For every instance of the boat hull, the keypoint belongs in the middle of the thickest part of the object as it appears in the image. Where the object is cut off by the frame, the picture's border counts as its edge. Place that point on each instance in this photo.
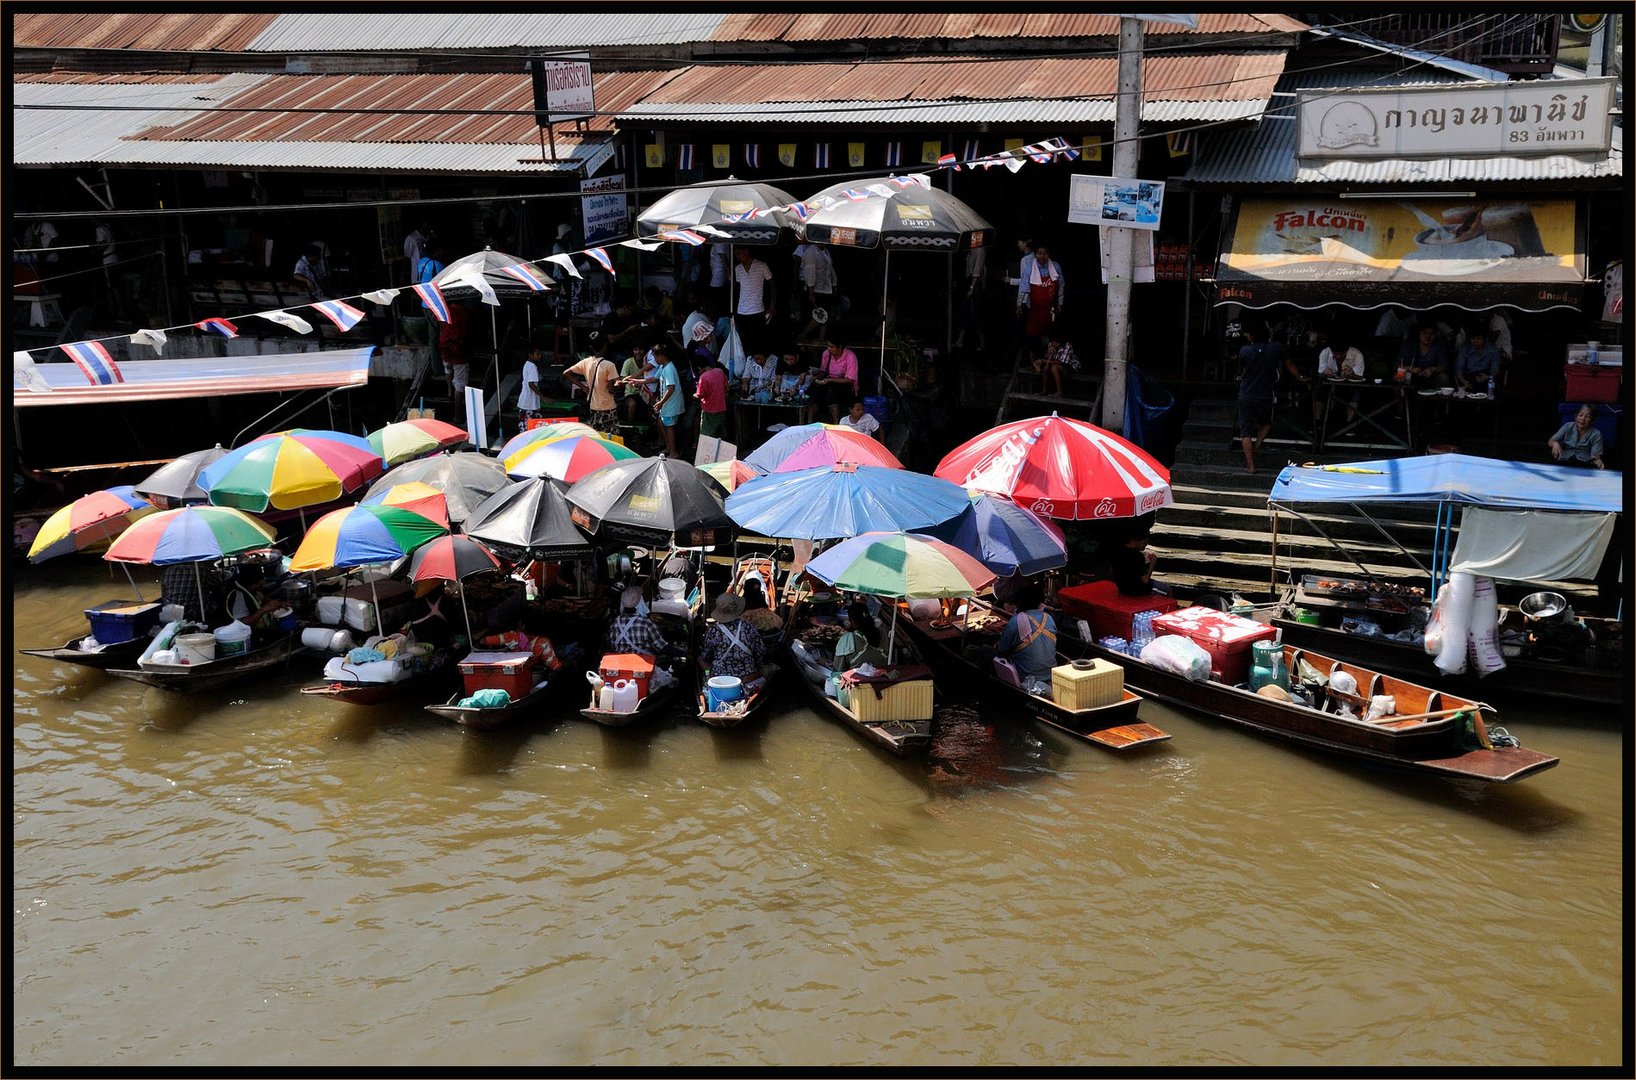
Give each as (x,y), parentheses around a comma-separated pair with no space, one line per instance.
(196,678)
(116,655)
(757,704)
(652,705)
(360,693)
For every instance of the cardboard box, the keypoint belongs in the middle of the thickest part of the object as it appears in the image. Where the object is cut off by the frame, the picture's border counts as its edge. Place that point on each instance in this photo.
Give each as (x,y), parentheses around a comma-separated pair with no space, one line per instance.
(1103,683)
(511,672)
(1597,385)
(1227,638)
(1109,614)
(616,666)
(910,700)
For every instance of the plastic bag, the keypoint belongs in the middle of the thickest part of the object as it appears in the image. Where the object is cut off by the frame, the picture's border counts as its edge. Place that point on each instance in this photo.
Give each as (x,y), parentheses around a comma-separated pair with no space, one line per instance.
(489,698)
(1482,644)
(1381,705)
(1455,601)
(1179,656)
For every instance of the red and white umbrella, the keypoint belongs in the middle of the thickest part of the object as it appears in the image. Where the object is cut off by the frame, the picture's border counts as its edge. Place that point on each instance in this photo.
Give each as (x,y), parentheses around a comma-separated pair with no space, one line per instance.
(1062,468)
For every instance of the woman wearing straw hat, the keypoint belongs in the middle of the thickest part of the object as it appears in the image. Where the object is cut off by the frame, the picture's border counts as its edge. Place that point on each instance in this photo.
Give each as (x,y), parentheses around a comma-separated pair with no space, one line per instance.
(732,646)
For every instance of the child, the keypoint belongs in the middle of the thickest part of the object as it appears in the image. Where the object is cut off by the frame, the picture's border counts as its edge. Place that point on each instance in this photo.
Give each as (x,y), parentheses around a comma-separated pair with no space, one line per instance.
(1050,361)
(859,420)
(528,397)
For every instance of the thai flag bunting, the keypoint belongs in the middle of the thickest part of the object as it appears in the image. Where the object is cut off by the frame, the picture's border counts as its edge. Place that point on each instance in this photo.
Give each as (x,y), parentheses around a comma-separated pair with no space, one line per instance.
(1063,147)
(94,361)
(285,318)
(601,256)
(1037,152)
(854,195)
(153,339)
(382,296)
(711,230)
(882,190)
(912,180)
(752,155)
(218,326)
(970,151)
(342,314)
(475,280)
(800,210)
(22,367)
(820,156)
(685,236)
(684,156)
(526,274)
(566,262)
(894,154)
(639,245)
(748,215)
(431,298)
(945,160)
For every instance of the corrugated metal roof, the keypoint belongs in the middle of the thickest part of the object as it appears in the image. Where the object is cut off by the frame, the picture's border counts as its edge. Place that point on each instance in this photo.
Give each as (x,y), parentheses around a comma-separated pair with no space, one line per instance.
(969,25)
(119,134)
(1266,153)
(1225,85)
(170,33)
(82,77)
(396,31)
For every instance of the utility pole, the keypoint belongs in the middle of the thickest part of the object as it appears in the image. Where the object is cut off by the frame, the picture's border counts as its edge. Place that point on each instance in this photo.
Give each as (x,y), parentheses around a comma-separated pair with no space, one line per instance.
(1122,249)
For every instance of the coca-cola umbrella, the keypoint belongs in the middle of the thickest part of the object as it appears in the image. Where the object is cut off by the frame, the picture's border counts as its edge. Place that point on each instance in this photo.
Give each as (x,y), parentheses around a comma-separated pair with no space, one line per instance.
(895,213)
(750,213)
(652,501)
(453,558)
(1061,468)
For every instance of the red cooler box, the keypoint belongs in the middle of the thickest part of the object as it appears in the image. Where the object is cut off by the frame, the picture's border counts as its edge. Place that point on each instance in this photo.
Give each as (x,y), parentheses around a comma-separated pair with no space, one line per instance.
(1109,613)
(1227,638)
(1597,385)
(616,666)
(512,672)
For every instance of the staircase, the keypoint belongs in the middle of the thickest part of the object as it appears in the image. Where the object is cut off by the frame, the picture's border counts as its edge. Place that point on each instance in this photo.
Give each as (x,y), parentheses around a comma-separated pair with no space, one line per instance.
(1218,534)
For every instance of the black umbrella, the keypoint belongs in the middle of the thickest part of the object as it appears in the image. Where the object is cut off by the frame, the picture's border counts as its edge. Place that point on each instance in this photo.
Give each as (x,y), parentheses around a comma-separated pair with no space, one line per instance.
(717,203)
(652,501)
(532,516)
(177,482)
(465,478)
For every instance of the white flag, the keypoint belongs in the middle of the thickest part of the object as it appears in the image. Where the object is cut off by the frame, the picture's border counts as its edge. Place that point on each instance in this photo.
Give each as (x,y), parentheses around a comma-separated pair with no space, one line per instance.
(566,262)
(640,246)
(484,289)
(711,230)
(381,296)
(153,339)
(284,318)
(22,367)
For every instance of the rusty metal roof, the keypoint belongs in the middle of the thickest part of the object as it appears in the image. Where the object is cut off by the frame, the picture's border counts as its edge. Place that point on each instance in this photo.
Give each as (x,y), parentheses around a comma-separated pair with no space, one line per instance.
(169,33)
(969,25)
(1210,86)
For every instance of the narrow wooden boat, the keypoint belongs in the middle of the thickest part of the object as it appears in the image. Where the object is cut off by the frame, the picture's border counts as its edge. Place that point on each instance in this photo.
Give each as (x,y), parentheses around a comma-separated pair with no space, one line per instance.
(1113,726)
(487,719)
(752,707)
(373,693)
(655,703)
(213,674)
(905,738)
(1426,735)
(119,653)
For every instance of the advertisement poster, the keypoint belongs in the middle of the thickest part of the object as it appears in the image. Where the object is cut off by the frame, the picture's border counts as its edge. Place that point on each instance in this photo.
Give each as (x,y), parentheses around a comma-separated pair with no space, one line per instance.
(1116,202)
(604,207)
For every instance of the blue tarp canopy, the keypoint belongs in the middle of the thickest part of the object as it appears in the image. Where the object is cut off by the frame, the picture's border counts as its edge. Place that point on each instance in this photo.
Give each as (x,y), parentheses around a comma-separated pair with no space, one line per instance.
(1454,478)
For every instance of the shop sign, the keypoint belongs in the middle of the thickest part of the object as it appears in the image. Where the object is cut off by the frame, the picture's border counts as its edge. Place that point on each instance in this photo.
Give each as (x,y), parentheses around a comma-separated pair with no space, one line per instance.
(1116,202)
(563,90)
(838,235)
(604,207)
(1561,116)
(914,217)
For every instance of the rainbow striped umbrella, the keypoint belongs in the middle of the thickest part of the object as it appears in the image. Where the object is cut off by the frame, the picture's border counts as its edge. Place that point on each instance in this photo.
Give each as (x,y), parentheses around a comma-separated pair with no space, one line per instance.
(189,534)
(290,470)
(902,565)
(543,432)
(414,496)
(730,473)
(363,534)
(568,459)
(409,439)
(87,521)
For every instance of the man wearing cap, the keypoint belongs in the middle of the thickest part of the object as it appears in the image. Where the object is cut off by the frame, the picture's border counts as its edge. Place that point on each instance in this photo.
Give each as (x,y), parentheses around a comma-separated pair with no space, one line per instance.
(634,633)
(731,646)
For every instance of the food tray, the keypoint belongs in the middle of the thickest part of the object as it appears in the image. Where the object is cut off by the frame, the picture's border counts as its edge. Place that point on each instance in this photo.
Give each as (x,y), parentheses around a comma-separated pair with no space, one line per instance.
(1350,587)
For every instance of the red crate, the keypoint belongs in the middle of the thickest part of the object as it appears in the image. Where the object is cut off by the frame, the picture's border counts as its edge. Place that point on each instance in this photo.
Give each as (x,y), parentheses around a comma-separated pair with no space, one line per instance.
(1100,604)
(616,666)
(511,672)
(1227,638)
(1598,385)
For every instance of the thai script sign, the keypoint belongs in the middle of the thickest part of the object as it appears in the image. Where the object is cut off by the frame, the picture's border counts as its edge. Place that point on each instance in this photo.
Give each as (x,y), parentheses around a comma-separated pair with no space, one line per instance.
(604,207)
(562,90)
(1559,116)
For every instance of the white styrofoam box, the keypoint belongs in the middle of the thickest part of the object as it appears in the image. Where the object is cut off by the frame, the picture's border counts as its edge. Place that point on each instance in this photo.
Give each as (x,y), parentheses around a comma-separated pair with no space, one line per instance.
(330,610)
(375,671)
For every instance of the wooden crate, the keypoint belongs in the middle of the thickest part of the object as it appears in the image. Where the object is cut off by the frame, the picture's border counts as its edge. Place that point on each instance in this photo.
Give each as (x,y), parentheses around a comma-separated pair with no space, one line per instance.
(1103,683)
(910,700)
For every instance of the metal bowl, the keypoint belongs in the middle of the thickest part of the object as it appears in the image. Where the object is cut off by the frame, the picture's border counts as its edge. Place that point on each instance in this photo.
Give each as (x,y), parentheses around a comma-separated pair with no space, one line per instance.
(1543,605)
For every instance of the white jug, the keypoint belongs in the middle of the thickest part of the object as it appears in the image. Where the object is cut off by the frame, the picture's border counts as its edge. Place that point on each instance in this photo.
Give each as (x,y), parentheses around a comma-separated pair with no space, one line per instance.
(625,695)
(606,704)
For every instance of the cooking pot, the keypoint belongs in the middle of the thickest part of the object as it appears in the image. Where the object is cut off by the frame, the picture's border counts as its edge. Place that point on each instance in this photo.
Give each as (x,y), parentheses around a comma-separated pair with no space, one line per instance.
(1545,607)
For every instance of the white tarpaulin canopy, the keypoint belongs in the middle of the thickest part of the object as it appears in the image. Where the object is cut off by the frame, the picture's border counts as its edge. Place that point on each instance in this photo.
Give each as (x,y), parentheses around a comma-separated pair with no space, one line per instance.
(1531,545)
(205,376)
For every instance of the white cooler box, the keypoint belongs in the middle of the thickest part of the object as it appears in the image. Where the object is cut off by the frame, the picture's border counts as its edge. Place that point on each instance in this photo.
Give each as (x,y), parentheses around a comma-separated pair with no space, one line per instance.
(376,671)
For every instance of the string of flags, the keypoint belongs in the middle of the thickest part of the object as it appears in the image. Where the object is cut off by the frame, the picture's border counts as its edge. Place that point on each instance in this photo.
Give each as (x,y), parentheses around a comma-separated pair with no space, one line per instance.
(99,367)
(686,158)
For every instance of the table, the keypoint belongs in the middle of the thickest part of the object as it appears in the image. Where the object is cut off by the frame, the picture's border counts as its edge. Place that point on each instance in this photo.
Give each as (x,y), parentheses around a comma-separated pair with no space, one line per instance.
(741,405)
(1381,410)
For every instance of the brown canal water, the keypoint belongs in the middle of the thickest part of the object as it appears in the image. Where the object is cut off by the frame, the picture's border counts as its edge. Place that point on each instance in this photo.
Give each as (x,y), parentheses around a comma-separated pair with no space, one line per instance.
(252,877)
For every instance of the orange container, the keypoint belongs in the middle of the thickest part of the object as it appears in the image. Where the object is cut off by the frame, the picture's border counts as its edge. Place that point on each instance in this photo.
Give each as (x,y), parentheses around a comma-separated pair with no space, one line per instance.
(512,672)
(634,666)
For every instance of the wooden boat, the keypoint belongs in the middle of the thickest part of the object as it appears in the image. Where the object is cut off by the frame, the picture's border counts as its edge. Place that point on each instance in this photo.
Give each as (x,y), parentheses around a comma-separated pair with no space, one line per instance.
(193,678)
(553,687)
(373,693)
(119,653)
(1524,677)
(1113,726)
(904,738)
(757,702)
(655,703)
(1427,735)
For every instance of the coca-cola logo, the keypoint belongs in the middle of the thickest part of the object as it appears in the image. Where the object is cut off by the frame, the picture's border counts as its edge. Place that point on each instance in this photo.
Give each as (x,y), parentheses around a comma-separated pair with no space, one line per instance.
(1153,500)
(1043,507)
(1107,508)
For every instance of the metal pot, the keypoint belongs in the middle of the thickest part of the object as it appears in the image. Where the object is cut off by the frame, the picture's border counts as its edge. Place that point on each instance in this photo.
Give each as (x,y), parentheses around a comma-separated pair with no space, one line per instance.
(1545,607)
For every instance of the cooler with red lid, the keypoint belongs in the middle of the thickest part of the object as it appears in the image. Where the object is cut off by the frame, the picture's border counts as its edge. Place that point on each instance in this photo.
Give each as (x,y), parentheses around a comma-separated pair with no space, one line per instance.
(1108,612)
(633,666)
(512,672)
(1227,638)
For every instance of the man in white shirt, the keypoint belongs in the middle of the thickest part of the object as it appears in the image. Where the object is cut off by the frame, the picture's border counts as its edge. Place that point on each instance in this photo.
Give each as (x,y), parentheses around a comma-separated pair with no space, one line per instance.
(818,275)
(753,300)
(859,420)
(528,397)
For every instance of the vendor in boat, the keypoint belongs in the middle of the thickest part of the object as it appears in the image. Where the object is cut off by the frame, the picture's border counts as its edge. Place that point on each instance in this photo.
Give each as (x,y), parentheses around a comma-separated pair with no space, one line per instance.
(1130,565)
(1029,641)
(731,646)
(756,611)
(181,583)
(632,632)
(861,643)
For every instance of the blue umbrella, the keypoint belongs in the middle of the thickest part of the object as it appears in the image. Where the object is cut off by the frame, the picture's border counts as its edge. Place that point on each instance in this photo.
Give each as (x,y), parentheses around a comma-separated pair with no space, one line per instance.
(843,500)
(1006,538)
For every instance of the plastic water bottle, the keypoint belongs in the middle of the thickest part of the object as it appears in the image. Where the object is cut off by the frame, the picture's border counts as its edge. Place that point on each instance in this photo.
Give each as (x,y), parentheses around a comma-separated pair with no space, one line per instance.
(1491,387)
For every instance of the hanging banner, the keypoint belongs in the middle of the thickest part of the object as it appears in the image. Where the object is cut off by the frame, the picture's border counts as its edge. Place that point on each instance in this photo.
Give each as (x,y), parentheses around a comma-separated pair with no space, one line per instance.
(563,90)
(477,428)
(1141,269)
(1115,202)
(604,207)
(786,154)
(1092,146)
(653,155)
(854,154)
(721,155)
(930,151)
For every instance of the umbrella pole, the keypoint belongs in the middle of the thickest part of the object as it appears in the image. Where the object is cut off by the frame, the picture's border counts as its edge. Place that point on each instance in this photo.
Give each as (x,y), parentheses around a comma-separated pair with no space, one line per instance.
(375,596)
(885,280)
(494,332)
(126,566)
(892,636)
(471,642)
(198,582)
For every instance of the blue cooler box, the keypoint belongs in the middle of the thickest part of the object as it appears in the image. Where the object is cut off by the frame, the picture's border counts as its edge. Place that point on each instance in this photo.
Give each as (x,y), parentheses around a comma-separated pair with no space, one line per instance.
(114,621)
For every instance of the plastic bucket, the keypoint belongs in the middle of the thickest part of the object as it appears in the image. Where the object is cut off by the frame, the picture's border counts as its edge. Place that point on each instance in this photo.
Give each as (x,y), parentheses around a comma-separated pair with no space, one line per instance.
(1307,617)
(195,648)
(875,405)
(232,639)
(722,689)
(285,619)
